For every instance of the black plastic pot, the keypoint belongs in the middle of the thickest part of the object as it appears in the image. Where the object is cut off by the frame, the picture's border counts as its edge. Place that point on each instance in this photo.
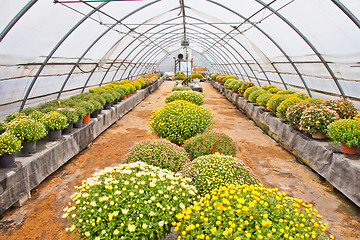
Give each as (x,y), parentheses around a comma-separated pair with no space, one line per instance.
(78,124)
(28,147)
(68,129)
(54,135)
(7,160)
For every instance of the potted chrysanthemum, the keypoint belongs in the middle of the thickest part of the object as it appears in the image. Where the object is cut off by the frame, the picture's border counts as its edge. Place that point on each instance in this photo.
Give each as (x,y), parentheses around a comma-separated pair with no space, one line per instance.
(28,131)
(54,123)
(130,201)
(9,144)
(347,132)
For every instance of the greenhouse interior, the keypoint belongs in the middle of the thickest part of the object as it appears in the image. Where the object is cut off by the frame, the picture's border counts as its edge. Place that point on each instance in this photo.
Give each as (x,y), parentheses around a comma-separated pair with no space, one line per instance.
(179,119)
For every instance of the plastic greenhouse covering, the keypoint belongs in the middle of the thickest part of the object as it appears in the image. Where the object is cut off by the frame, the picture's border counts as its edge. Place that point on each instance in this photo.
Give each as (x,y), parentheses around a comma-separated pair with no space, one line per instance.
(55,49)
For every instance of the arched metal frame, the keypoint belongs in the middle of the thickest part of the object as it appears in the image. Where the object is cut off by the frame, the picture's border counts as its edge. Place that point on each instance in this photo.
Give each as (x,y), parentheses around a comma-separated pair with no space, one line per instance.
(215,55)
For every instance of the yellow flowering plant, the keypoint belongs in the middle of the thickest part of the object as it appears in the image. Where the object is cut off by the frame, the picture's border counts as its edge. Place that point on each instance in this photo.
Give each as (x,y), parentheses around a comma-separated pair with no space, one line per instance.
(249,91)
(3,126)
(346,131)
(215,170)
(130,201)
(9,144)
(27,129)
(190,96)
(245,86)
(54,120)
(357,117)
(238,211)
(180,120)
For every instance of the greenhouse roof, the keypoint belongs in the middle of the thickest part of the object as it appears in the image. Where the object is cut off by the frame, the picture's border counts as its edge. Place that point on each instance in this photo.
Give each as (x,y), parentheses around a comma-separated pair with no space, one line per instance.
(55,49)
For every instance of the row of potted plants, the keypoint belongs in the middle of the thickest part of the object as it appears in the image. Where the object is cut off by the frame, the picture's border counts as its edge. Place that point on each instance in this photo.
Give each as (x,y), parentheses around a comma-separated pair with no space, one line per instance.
(210,195)
(21,131)
(313,116)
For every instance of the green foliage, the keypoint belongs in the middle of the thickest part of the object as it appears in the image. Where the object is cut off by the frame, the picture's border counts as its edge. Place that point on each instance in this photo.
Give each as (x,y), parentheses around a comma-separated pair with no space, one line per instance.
(346,131)
(97,105)
(274,90)
(27,129)
(294,113)
(9,144)
(36,115)
(249,91)
(267,87)
(13,115)
(215,170)
(181,89)
(130,201)
(275,101)
(3,126)
(28,110)
(108,97)
(238,84)
(263,99)
(180,120)
(160,153)
(255,94)
(317,118)
(245,86)
(190,96)
(282,108)
(286,92)
(302,95)
(71,116)
(54,120)
(344,108)
(209,143)
(315,100)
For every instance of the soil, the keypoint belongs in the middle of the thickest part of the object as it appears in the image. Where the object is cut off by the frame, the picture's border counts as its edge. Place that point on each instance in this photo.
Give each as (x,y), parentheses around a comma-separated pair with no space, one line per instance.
(40,217)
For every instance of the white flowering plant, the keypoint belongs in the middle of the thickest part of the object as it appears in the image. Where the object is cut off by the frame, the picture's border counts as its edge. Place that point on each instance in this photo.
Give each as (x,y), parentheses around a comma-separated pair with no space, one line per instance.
(130,201)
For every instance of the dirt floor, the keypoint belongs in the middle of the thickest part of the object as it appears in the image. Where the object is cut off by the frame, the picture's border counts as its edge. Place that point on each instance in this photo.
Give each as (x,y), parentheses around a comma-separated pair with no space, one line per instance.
(40,217)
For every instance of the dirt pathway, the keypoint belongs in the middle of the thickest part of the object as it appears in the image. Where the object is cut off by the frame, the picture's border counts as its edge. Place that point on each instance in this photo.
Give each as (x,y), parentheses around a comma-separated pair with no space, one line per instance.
(40,217)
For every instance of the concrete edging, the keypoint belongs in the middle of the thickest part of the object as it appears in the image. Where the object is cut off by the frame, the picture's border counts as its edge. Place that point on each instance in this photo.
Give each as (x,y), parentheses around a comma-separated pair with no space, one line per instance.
(28,172)
(340,170)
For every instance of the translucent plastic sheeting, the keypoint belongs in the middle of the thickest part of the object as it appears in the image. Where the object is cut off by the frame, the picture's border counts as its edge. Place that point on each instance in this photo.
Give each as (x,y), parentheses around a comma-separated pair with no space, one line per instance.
(57,49)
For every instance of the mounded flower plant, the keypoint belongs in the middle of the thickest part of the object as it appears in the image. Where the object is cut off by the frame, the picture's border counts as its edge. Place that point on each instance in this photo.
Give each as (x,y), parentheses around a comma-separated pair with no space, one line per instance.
(190,96)
(238,211)
(344,108)
(130,201)
(249,91)
(9,144)
(27,129)
(294,113)
(275,101)
(282,108)
(245,86)
(215,170)
(3,126)
(180,120)
(317,118)
(263,99)
(54,120)
(209,142)
(158,152)
(346,131)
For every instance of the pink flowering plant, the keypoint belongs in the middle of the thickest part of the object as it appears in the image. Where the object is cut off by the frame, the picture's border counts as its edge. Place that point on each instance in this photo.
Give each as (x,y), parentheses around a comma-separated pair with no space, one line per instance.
(130,201)
(317,118)
(209,142)
(158,152)
(239,211)
(215,170)
(294,113)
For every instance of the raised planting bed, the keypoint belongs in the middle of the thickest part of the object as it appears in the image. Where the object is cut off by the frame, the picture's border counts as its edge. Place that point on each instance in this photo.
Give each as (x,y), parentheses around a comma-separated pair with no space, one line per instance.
(28,172)
(340,170)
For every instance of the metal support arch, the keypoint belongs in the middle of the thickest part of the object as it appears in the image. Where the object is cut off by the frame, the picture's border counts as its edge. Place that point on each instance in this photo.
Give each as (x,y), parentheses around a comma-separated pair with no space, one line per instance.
(272,40)
(97,39)
(309,44)
(54,50)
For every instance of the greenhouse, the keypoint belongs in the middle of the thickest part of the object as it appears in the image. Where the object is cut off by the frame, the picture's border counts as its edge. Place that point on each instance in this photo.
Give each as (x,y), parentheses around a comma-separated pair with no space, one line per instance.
(179,119)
